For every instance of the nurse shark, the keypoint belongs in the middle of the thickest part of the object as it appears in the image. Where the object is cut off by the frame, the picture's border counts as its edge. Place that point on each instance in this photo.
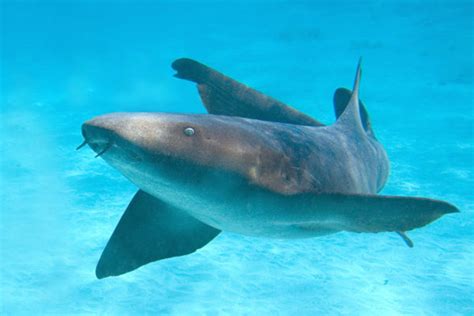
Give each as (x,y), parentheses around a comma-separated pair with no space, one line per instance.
(253,166)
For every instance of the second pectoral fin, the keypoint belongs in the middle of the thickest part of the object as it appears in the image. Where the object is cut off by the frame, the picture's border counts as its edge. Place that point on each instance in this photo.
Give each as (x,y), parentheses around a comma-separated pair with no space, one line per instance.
(148,231)
(378,213)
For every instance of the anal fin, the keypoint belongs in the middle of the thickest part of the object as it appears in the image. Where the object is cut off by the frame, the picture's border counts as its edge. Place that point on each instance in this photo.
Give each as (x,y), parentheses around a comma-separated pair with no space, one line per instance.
(148,231)
(406,239)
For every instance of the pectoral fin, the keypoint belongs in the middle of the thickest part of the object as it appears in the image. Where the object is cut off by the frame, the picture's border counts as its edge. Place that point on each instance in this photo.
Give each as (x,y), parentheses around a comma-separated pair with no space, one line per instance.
(379,213)
(151,230)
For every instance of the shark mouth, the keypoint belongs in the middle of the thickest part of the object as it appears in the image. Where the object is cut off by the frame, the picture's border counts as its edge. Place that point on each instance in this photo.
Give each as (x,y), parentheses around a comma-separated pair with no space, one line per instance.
(107,147)
(95,147)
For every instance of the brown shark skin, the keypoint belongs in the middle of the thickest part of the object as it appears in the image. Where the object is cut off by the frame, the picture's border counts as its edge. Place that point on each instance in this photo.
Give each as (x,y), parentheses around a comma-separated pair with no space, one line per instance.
(253,166)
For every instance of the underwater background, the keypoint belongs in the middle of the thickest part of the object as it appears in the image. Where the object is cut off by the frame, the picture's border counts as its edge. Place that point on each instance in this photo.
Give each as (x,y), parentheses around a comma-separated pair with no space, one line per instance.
(63,62)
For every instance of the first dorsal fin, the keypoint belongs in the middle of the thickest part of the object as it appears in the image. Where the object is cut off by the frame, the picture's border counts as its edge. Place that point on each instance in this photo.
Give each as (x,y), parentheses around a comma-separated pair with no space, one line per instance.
(223,95)
(350,118)
(341,100)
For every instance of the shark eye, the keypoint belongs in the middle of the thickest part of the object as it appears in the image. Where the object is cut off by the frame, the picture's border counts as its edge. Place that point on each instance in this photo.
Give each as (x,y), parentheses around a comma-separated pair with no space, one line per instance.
(189,131)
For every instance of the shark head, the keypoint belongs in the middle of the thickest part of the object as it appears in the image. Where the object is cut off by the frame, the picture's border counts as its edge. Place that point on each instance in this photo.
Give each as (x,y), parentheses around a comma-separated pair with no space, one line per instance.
(164,154)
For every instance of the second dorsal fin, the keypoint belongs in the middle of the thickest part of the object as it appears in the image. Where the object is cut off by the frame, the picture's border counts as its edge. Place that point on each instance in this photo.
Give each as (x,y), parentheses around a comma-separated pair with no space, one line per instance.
(350,118)
(223,95)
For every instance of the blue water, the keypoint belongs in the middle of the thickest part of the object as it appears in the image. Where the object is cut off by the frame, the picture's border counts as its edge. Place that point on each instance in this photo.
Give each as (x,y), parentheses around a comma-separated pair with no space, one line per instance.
(65,62)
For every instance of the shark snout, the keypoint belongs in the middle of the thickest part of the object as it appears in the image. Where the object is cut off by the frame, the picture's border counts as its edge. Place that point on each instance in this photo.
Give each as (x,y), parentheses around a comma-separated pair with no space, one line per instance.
(98,130)
(115,134)
(99,134)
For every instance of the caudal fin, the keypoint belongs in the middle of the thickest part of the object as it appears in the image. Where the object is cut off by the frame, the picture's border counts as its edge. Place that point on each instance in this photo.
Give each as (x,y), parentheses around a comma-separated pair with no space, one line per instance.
(223,95)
